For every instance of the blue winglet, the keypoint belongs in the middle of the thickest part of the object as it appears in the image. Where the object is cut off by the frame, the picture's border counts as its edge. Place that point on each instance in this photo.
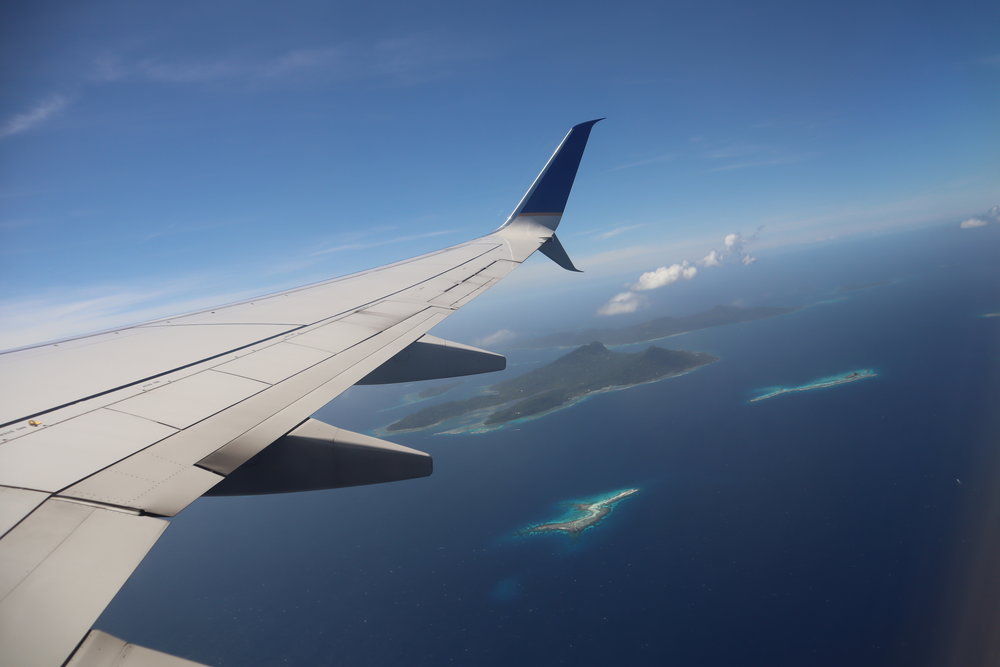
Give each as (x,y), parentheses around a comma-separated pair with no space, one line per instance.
(533,223)
(548,194)
(554,250)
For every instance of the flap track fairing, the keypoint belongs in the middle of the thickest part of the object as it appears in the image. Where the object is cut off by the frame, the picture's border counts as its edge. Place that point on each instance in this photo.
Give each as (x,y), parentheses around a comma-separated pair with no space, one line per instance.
(316,455)
(432,358)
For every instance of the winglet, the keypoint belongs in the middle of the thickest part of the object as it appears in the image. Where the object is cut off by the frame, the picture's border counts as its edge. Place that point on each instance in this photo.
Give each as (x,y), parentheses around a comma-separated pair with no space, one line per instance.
(554,250)
(545,200)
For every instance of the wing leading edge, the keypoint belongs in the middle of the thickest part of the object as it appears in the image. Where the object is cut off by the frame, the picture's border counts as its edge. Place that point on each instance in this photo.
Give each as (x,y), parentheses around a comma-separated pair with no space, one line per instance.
(103,436)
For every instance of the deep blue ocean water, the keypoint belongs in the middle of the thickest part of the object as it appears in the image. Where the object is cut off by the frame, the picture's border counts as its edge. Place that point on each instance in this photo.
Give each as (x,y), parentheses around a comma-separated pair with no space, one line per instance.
(819,528)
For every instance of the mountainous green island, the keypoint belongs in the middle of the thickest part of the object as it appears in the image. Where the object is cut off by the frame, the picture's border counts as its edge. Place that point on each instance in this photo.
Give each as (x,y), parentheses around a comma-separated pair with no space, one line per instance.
(581,515)
(821,383)
(585,371)
(661,327)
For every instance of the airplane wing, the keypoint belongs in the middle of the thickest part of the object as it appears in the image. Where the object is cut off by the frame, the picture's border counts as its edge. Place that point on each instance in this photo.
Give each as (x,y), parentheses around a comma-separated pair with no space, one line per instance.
(103,437)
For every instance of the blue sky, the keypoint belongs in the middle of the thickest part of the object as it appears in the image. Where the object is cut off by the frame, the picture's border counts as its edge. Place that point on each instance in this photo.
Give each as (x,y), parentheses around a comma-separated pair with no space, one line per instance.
(157,157)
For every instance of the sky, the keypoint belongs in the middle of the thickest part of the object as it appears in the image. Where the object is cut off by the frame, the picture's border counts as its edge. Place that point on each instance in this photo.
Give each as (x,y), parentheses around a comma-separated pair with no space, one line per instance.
(160,157)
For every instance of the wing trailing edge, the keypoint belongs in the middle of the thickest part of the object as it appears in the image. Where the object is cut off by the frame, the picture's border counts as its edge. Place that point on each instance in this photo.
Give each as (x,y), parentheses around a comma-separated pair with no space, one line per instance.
(99,649)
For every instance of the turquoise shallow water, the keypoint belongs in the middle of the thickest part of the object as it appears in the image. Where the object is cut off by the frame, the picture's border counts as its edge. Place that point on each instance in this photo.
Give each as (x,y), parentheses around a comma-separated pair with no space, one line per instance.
(827,382)
(816,529)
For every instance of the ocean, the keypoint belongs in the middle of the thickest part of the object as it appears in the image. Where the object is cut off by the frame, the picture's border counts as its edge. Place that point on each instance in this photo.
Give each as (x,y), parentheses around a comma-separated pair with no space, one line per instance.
(825,527)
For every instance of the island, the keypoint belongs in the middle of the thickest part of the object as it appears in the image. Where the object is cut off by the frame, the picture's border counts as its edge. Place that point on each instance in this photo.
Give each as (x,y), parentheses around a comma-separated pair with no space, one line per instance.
(821,383)
(581,515)
(583,372)
(430,392)
(659,328)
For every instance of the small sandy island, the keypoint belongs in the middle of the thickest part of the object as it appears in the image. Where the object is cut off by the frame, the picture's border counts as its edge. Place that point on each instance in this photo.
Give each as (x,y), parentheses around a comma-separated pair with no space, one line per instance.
(821,383)
(581,515)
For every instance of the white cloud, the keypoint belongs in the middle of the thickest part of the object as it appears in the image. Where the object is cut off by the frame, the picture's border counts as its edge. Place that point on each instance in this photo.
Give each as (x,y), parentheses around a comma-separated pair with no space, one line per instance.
(641,163)
(665,275)
(972,223)
(406,60)
(495,338)
(743,156)
(303,59)
(769,162)
(618,230)
(35,117)
(629,302)
(983,219)
(735,247)
(626,302)
(112,68)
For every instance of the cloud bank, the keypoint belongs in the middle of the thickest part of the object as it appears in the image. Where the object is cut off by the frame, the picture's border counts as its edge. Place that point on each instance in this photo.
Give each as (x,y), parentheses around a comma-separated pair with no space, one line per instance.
(733,251)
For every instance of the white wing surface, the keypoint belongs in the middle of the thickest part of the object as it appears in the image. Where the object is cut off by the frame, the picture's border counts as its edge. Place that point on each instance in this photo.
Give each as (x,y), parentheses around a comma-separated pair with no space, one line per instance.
(103,436)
